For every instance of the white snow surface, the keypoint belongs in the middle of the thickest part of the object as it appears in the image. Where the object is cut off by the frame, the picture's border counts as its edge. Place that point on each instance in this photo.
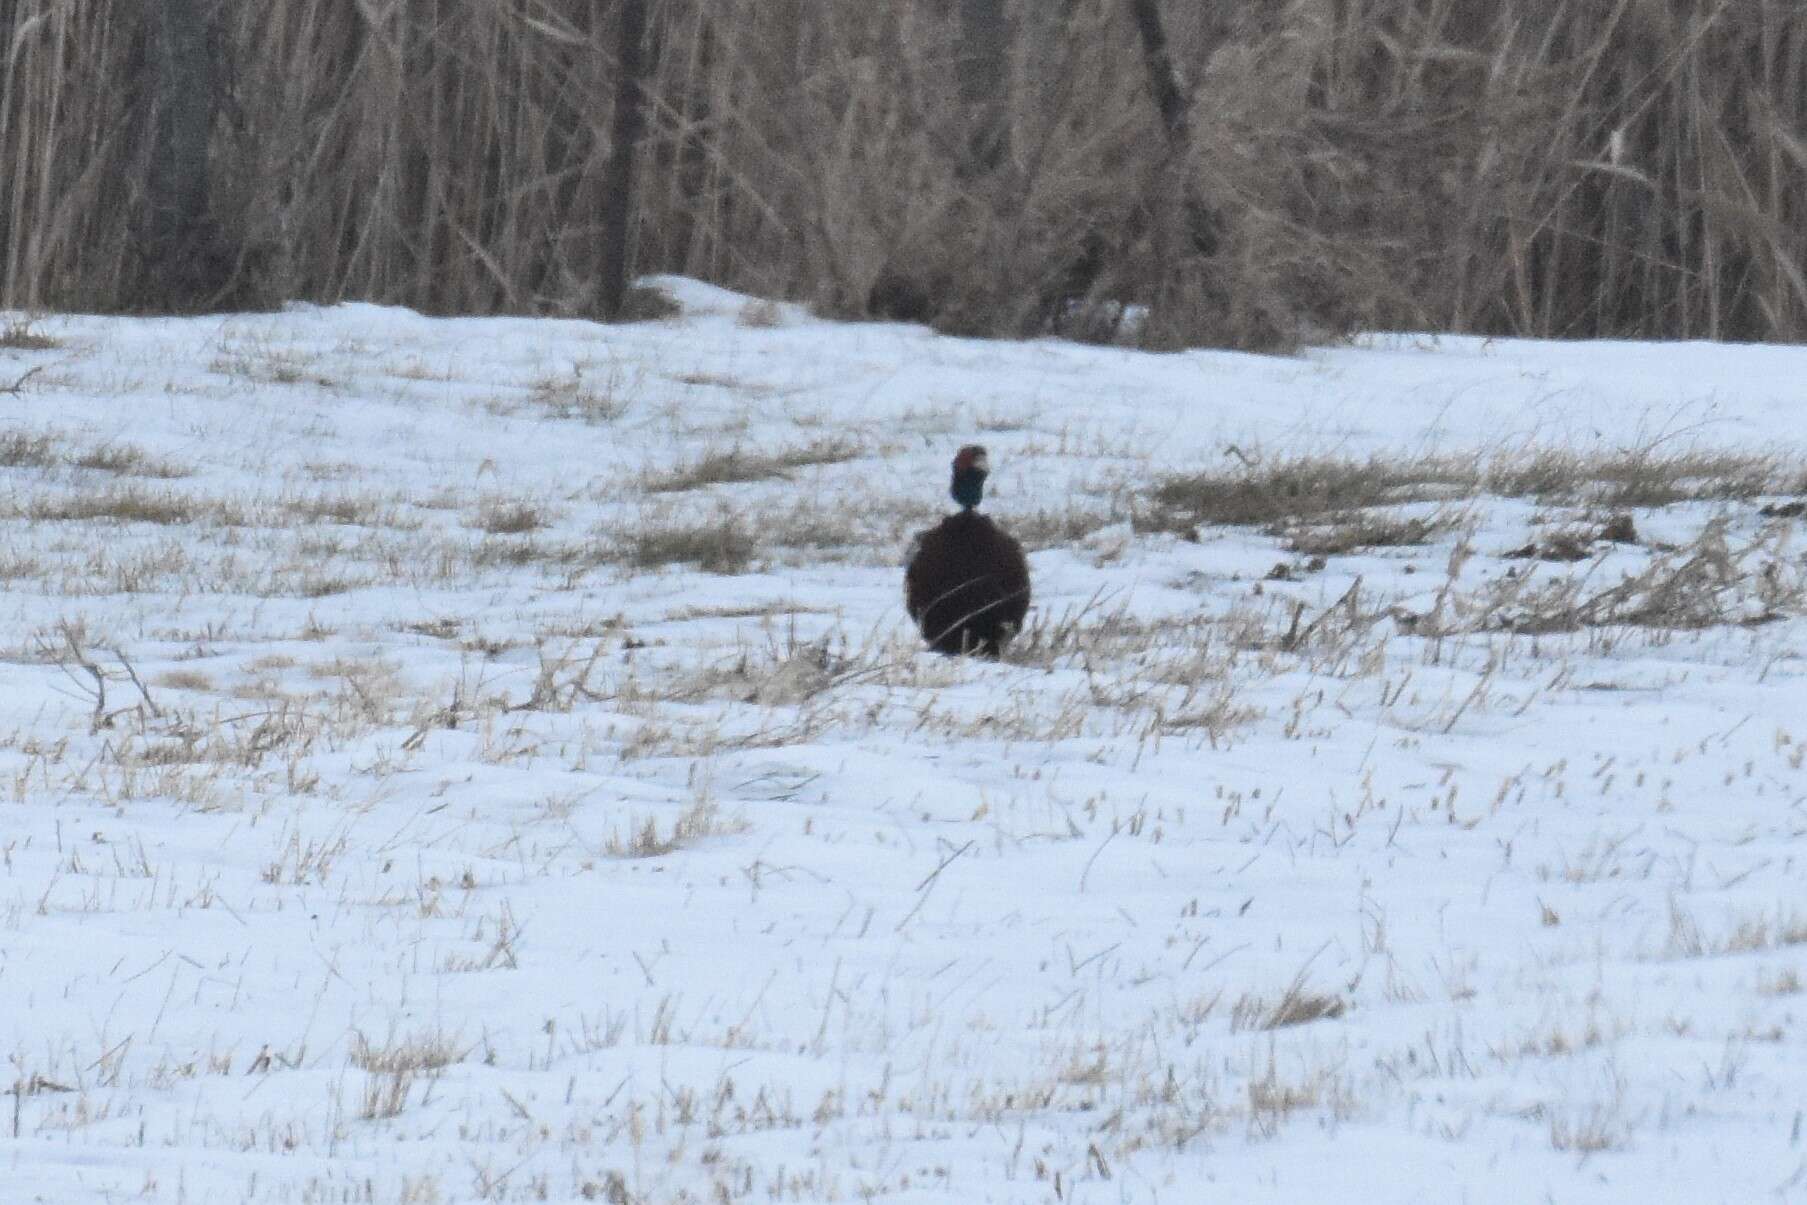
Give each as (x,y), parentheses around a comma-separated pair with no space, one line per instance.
(437,841)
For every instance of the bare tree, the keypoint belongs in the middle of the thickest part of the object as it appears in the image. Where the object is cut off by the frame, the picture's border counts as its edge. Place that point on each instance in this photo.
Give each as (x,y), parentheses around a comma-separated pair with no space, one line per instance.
(984,83)
(186,262)
(618,175)
(1174,106)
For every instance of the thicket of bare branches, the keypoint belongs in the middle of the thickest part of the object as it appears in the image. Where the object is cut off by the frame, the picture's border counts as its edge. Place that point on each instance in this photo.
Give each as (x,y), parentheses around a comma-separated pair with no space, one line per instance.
(1547,167)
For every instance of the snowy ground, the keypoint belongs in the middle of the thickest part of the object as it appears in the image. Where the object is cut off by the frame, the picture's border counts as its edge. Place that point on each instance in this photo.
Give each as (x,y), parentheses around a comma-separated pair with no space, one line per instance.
(516,778)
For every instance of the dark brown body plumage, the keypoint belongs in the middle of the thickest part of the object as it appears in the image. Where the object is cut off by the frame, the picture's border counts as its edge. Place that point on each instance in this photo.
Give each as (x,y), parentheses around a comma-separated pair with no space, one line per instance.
(967,585)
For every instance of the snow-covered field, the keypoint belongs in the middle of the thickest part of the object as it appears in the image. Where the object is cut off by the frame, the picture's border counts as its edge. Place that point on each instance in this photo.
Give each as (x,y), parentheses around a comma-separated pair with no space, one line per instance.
(453,760)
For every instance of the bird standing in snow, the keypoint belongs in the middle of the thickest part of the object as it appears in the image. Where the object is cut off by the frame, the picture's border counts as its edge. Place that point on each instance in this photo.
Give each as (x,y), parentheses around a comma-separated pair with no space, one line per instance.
(967,584)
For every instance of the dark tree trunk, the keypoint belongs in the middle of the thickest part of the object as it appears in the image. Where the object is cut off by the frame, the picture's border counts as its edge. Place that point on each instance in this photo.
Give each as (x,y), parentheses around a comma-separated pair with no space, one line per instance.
(984,83)
(1162,81)
(187,265)
(1202,224)
(618,174)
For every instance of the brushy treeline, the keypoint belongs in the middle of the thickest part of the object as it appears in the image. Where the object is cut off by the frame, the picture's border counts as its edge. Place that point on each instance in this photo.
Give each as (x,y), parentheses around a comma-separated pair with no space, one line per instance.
(1536,167)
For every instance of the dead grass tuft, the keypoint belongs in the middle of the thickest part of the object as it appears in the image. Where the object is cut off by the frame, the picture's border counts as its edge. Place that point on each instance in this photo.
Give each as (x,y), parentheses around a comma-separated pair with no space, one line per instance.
(19,333)
(735,465)
(516,551)
(1599,1130)
(1296,1007)
(27,450)
(393,1068)
(645,303)
(571,396)
(257,358)
(1365,529)
(1060,528)
(509,517)
(702,819)
(1640,478)
(350,510)
(1707,583)
(183,679)
(1280,493)
(760,314)
(127,504)
(127,460)
(1264,494)
(724,546)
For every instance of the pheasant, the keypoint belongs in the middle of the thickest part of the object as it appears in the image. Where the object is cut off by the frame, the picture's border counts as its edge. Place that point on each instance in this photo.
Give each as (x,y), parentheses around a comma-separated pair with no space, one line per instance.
(967,583)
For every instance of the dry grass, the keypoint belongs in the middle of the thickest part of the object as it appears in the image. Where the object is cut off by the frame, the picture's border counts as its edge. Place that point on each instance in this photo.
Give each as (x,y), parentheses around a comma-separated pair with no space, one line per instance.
(27,450)
(127,504)
(701,820)
(1710,582)
(573,396)
(1296,1006)
(509,517)
(1560,168)
(1325,502)
(1646,477)
(1041,529)
(127,460)
(349,510)
(259,361)
(394,1067)
(20,333)
(734,465)
(1365,529)
(724,545)
(1266,493)
(760,314)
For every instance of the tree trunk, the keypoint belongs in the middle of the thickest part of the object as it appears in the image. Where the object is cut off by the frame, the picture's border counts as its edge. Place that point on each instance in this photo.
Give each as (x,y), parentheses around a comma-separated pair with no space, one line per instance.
(1162,81)
(1202,225)
(984,84)
(186,263)
(618,175)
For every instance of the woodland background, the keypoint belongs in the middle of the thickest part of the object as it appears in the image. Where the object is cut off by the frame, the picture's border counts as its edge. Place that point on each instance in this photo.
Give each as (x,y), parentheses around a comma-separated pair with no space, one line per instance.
(1254,174)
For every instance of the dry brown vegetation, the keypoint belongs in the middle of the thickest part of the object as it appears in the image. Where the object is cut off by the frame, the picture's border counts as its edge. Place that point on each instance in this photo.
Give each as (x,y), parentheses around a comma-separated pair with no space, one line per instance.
(738,464)
(1542,167)
(1321,498)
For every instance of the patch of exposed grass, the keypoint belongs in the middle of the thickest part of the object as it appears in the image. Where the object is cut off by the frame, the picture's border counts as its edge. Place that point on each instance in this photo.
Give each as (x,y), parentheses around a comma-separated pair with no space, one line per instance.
(127,460)
(422,1052)
(351,510)
(760,314)
(324,585)
(723,546)
(1296,1006)
(127,504)
(515,552)
(27,450)
(812,526)
(1277,493)
(20,333)
(1266,493)
(1707,583)
(1599,1130)
(509,517)
(645,303)
(1367,529)
(393,1068)
(1059,528)
(737,464)
(715,380)
(570,396)
(1639,478)
(260,360)
(16,566)
(701,819)
(183,679)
